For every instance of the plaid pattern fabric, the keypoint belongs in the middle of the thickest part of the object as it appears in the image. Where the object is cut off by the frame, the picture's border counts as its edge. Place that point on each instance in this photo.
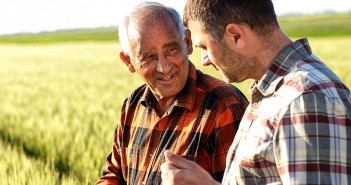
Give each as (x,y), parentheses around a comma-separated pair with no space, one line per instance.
(297,130)
(200,125)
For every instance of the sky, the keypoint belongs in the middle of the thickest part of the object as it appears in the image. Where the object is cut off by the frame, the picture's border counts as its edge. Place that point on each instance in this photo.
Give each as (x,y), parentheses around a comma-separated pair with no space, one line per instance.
(18,16)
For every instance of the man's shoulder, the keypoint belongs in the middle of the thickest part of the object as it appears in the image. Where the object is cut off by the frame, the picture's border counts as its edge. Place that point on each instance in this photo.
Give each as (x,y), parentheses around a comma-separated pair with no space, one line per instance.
(312,75)
(310,78)
(137,93)
(208,81)
(212,84)
(222,91)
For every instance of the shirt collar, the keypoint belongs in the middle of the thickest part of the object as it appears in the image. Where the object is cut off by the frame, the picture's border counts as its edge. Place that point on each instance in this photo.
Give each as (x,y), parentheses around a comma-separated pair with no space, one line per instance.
(185,98)
(281,65)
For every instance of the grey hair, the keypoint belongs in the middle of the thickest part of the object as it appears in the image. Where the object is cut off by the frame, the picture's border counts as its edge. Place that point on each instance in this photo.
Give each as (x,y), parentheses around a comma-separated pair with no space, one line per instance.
(154,7)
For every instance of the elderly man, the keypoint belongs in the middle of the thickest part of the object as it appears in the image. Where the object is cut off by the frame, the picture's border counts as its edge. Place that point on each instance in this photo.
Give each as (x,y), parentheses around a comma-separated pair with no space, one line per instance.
(179,108)
(297,129)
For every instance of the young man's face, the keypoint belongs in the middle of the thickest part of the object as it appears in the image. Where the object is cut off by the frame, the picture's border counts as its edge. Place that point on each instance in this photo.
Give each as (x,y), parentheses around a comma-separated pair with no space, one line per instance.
(160,56)
(230,63)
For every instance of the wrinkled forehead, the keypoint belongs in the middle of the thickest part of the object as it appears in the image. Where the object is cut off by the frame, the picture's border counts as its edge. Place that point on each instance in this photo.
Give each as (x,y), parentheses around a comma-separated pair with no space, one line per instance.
(146,33)
(147,27)
(141,22)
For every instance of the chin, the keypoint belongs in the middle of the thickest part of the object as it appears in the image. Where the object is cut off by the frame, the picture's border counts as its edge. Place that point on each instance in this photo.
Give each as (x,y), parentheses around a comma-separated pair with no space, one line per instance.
(170,93)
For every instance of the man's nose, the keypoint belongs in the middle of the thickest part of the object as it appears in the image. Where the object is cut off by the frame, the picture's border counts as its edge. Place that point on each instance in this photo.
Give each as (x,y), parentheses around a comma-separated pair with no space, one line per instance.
(163,64)
(205,59)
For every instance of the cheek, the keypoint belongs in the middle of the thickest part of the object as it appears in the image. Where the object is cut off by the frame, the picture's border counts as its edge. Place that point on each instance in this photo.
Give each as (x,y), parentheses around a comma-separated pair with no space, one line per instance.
(212,57)
(215,56)
(146,73)
(178,61)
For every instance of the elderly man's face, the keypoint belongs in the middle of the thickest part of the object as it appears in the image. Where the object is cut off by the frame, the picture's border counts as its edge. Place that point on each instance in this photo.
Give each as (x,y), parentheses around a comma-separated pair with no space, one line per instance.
(160,55)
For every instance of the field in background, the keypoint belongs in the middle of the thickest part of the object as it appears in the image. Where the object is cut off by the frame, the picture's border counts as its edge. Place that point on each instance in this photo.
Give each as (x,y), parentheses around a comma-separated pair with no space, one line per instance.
(78,35)
(294,26)
(60,101)
(317,25)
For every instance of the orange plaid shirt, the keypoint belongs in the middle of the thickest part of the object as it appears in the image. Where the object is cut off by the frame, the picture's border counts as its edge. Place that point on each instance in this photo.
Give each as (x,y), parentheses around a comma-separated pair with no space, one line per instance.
(200,125)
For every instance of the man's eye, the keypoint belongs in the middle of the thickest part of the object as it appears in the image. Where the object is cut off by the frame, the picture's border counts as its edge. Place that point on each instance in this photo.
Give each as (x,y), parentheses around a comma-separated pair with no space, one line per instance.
(172,51)
(203,48)
(148,59)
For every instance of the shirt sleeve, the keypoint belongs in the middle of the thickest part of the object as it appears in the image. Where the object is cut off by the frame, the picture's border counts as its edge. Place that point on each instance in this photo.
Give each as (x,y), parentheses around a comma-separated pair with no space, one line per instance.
(310,142)
(112,173)
(222,137)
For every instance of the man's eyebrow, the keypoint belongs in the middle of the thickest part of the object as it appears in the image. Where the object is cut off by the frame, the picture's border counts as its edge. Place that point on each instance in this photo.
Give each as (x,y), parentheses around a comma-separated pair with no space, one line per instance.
(144,51)
(142,54)
(199,45)
(171,44)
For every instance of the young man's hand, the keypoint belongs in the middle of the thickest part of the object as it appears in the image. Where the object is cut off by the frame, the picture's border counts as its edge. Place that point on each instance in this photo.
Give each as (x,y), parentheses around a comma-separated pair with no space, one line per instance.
(178,170)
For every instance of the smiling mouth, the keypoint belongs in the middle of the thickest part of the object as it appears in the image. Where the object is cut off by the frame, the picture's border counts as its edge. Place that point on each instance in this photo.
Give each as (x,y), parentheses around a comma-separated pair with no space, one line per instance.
(168,77)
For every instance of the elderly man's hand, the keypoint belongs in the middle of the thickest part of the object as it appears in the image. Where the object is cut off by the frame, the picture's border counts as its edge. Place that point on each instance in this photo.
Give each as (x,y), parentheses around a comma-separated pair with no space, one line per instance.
(178,170)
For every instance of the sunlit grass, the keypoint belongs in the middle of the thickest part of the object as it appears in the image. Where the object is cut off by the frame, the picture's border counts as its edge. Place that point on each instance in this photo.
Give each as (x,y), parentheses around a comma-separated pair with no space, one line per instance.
(335,52)
(60,103)
(16,167)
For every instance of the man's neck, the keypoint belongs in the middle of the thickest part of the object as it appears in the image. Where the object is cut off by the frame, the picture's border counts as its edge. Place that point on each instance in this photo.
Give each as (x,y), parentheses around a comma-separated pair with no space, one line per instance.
(271,47)
(163,105)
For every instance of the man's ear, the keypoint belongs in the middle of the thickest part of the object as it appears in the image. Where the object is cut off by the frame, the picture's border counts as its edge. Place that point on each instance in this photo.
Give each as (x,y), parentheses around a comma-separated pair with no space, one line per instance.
(235,34)
(126,59)
(188,41)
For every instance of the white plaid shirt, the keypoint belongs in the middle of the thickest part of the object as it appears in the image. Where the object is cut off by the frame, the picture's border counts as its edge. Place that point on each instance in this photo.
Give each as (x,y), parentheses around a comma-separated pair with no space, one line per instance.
(297,129)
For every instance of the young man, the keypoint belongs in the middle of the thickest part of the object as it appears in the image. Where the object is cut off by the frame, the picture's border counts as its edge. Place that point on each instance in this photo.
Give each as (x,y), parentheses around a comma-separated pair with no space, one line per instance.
(179,108)
(297,129)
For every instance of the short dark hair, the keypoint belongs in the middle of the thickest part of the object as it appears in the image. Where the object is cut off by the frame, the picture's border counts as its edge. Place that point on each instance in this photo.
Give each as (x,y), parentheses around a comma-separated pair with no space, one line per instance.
(215,15)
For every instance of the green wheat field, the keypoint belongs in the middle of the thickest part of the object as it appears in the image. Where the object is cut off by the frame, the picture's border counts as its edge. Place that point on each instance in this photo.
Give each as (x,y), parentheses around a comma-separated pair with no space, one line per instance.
(61,92)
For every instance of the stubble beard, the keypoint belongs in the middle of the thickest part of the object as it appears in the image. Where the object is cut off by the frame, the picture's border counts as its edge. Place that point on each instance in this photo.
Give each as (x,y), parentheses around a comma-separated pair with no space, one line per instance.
(237,67)
(232,70)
